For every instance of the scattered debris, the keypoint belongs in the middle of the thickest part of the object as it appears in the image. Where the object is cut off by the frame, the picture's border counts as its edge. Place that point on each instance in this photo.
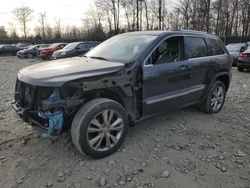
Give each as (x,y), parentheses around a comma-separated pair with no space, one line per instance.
(165,174)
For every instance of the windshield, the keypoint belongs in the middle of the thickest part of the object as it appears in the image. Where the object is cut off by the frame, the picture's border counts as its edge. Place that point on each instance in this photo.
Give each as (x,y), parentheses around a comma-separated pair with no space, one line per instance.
(54,45)
(121,48)
(233,48)
(71,46)
(32,47)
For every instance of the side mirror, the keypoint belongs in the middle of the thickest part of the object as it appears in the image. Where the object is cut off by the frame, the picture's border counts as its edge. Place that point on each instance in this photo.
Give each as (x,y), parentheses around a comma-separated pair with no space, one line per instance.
(242,49)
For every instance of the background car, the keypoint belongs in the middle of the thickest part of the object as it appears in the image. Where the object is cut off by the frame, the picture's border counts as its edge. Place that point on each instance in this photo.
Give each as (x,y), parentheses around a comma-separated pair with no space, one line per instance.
(235,49)
(74,49)
(23,45)
(244,60)
(8,50)
(46,53)
(31,51)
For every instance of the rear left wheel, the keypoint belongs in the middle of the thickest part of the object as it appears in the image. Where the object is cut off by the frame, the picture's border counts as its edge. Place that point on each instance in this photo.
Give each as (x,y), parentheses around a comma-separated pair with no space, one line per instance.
(215,98)
(99,127)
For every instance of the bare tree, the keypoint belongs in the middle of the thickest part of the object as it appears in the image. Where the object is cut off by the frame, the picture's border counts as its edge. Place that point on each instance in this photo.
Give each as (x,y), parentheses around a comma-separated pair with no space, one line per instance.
(23,15)
(3,33)
(58,29)
(49,31)
(160,13)
(12,31)
(42,20)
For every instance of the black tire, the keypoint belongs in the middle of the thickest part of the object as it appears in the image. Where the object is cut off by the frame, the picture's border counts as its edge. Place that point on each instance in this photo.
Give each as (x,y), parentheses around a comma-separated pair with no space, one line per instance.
(206,105)
(49,56)
(82,121)
(240,69)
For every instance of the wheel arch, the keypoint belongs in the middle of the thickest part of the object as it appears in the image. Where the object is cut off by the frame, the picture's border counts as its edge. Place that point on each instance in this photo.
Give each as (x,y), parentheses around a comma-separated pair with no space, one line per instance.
(128,102)
(224,78)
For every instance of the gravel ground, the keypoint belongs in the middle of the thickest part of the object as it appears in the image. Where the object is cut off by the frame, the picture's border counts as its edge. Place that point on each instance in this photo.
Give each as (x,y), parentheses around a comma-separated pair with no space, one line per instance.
(181,149)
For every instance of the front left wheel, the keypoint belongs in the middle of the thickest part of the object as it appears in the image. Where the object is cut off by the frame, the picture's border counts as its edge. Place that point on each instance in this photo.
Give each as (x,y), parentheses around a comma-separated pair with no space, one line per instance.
(99,127)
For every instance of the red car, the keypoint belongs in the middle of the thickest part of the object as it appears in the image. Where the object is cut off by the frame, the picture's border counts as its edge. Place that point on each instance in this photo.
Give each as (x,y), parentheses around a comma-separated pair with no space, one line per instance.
(46,53)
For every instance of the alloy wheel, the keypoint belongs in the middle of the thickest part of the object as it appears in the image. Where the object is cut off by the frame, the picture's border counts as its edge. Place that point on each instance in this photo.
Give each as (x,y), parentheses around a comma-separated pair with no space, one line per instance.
(105,130)
(217,99)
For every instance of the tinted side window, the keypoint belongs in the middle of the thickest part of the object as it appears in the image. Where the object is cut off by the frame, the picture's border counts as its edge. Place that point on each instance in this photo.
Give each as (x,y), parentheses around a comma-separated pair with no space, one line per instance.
(168,51)
(82,46)
(9,47)
(195,47)
(91,45)
(214,47)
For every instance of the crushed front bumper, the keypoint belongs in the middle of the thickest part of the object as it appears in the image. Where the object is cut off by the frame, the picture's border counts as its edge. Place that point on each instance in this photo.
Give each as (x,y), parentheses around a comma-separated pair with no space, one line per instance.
(21,112)
(26,116)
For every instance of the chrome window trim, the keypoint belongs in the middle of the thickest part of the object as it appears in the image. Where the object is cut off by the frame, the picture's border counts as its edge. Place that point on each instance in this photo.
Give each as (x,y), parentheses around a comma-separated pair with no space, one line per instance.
(179,35)
(195,58)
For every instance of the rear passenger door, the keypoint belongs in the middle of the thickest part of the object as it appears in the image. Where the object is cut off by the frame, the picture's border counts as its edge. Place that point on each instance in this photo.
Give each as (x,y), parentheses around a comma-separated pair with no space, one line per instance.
(217,57)
(196,56)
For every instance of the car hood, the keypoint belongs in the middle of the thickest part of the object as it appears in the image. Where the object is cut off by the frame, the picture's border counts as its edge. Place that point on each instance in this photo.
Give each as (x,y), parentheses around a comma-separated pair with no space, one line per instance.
(58,72)
(62,50)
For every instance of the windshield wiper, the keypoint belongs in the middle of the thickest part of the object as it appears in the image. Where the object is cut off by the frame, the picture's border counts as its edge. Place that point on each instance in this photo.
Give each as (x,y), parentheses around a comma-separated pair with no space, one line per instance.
(101,58)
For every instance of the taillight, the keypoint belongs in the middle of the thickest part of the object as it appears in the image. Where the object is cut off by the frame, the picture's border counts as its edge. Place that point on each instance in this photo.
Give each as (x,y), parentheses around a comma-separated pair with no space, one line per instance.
(244,55)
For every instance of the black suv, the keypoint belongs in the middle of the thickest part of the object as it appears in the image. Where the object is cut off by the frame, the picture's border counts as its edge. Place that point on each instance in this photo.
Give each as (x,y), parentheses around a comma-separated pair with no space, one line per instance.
(125,79)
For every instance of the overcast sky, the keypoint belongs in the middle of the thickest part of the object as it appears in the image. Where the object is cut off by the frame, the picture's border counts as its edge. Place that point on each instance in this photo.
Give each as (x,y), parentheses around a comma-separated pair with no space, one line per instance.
(70,12)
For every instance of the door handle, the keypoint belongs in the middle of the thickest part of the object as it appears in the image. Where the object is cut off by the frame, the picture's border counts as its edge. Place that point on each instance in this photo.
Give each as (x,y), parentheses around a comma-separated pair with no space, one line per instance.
(184,67)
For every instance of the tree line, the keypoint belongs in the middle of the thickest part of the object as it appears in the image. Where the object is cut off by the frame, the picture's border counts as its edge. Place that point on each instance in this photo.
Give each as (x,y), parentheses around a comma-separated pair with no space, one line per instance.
(110,17)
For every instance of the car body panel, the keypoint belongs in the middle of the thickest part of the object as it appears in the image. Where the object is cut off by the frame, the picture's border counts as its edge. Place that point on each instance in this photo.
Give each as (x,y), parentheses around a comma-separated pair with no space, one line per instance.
(47,52)
(241,47)
(244,60)
(33,50)
(23,45)
(175,87)
(8,50)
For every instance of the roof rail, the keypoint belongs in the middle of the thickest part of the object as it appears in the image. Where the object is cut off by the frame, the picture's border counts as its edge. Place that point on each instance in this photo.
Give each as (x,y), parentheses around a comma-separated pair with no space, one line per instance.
(188,30)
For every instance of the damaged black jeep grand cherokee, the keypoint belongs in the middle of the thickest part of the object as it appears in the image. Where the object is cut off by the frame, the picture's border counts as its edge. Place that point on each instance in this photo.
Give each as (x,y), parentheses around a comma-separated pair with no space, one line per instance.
(125,79)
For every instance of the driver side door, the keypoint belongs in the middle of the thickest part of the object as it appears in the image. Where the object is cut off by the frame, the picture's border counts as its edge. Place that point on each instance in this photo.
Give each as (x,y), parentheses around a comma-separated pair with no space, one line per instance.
(168,81)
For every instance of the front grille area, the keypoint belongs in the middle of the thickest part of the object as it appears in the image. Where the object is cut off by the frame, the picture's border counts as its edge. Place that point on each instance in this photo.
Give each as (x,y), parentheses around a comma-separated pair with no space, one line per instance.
(24,94)
(20,93)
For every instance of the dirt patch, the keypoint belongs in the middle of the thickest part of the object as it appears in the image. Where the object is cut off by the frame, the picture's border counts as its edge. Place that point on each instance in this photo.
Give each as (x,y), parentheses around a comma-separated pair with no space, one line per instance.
(181,149)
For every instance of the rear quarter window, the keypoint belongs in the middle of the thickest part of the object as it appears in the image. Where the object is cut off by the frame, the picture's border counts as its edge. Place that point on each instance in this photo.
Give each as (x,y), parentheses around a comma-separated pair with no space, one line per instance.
(214,47)
(195,47)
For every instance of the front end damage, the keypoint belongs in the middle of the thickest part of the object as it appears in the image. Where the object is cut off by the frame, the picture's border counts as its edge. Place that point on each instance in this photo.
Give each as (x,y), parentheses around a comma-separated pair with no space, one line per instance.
(45,108)
(52,109)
